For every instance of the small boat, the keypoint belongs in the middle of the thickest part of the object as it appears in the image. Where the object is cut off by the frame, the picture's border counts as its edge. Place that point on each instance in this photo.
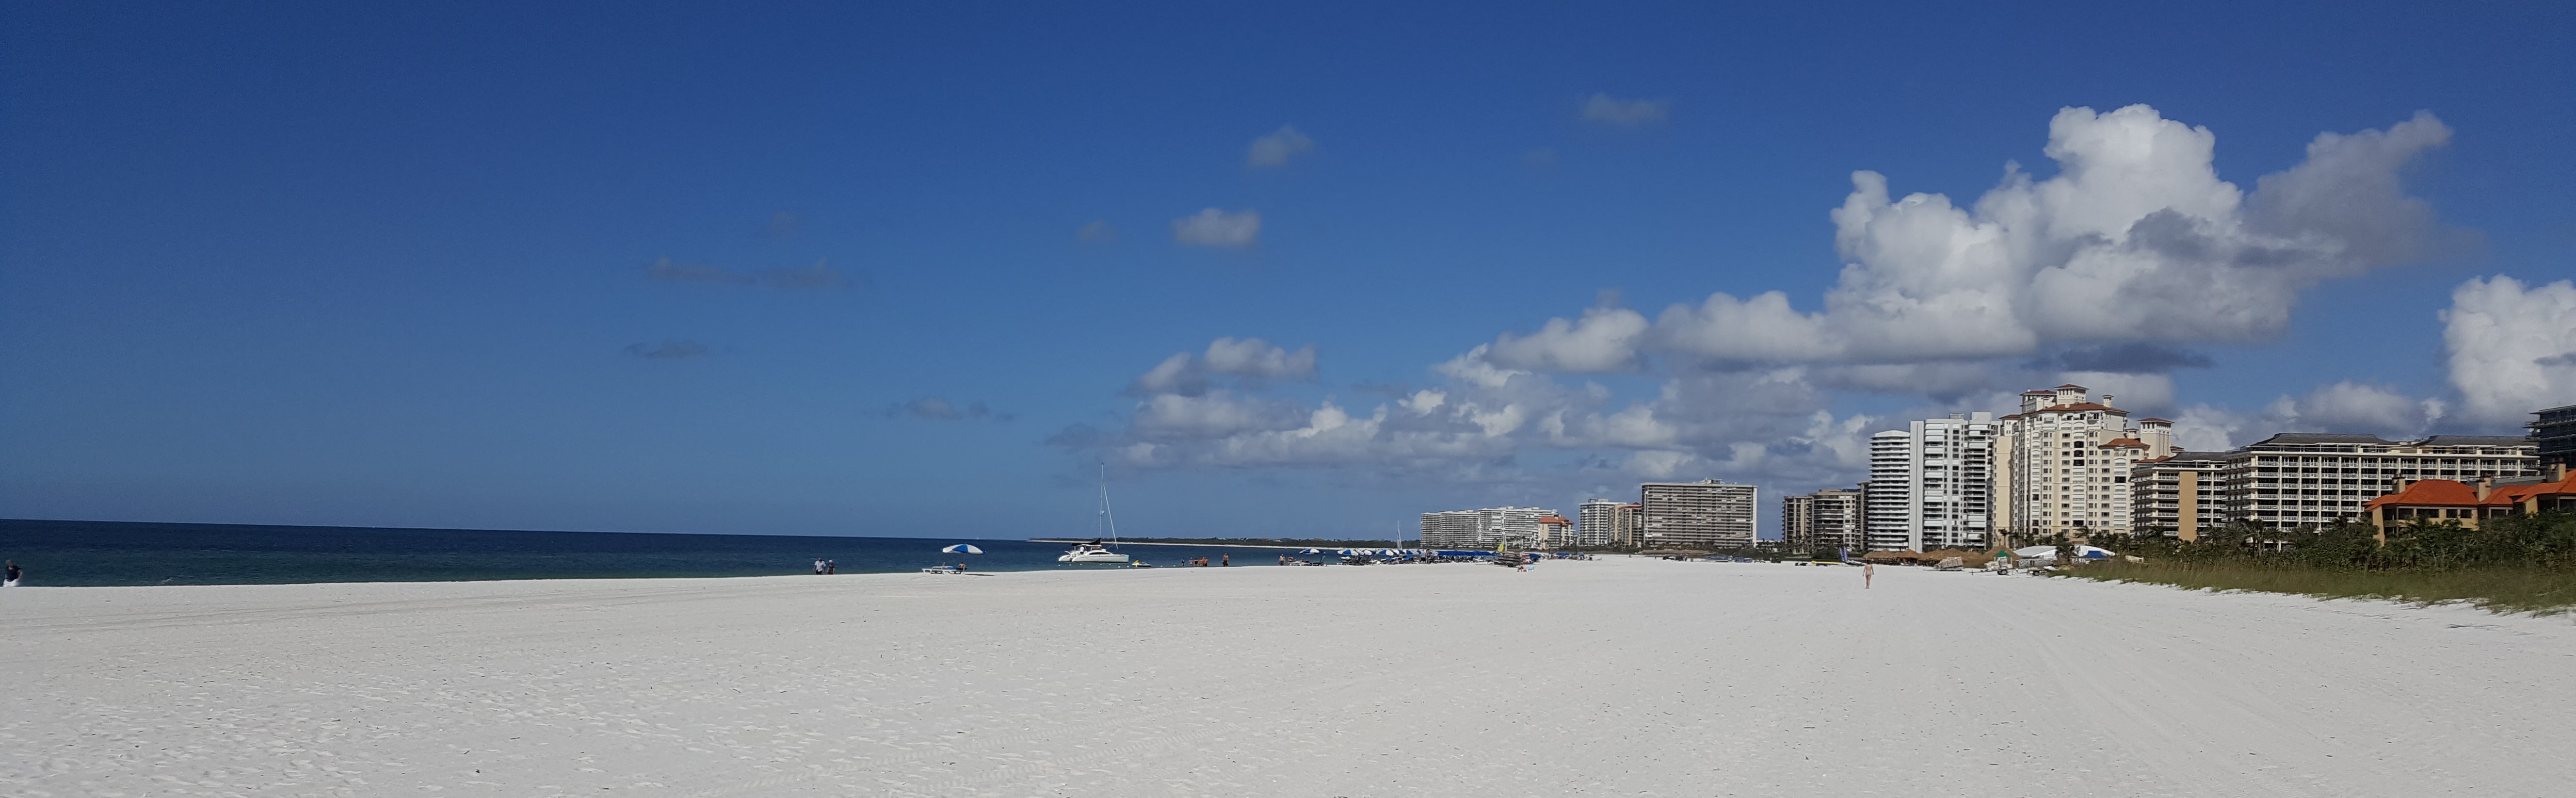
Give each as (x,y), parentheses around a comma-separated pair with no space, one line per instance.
(1093,553)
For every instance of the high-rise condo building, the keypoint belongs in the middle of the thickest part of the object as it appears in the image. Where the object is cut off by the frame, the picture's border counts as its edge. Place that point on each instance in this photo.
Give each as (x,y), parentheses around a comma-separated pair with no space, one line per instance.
(2181,495)
(2553,433)
(1822,522)
(2305,478)
(1888,493)
(1600,523)
(1451,529)
(1702,514)
(2063,463)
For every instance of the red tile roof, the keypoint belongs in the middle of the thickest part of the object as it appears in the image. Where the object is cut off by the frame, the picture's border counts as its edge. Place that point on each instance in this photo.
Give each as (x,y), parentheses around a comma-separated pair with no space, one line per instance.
(2130,442)
(2461,494)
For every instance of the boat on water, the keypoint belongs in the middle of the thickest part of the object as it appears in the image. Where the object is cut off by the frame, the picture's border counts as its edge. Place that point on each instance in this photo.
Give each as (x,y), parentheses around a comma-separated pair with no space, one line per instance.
(1094,553)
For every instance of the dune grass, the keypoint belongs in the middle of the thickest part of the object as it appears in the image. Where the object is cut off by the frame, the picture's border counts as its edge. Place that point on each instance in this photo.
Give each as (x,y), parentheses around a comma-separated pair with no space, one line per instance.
(2498,589)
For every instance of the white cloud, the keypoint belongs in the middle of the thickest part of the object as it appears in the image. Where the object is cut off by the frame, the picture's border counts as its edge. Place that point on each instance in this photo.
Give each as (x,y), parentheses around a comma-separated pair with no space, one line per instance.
(1253,359)
(1624,112)
(2346,406)
(2512,347)
(1604,340)
(1275,149)
(2135,239)
(2141,393)
(1216,228)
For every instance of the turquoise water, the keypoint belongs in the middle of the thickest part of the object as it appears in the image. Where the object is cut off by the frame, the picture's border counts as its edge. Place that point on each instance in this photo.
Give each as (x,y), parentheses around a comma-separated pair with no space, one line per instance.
(116,553)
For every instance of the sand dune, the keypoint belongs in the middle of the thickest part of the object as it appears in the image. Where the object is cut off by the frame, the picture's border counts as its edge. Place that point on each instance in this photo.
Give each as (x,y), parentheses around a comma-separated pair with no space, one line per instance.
(1625,677)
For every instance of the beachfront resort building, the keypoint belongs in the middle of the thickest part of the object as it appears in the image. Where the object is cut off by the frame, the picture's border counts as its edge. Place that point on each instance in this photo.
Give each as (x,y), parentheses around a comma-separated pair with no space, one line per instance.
(2553,436)
(1520,527)
(1707,514)
(2062,465)
(1936,482)
(1604,522)
(1822,522)
(2469,503)
(2180,495)
(2307,478)
(1555,532)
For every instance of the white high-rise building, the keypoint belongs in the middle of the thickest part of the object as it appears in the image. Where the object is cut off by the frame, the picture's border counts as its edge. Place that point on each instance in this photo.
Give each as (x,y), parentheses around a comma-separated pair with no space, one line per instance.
(1599,522)
(1951,473)
(1889,492)
(1485,528)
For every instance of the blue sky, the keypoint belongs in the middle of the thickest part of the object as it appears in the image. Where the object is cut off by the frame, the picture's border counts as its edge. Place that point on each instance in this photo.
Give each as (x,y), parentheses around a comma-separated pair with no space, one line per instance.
(334,264)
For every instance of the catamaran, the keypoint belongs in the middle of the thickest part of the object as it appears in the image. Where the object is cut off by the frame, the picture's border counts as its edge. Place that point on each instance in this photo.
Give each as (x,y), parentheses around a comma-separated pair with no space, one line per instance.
(1093,553)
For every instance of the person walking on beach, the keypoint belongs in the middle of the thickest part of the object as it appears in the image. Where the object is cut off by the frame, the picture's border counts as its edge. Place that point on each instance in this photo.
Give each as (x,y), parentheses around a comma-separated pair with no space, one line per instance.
(831,566)
(10,579)
(1225,560)
(1867,572)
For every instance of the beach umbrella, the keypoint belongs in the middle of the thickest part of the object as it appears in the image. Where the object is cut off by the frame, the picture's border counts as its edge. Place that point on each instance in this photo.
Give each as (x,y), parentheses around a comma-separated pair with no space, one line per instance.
(1311,551)
(961,548)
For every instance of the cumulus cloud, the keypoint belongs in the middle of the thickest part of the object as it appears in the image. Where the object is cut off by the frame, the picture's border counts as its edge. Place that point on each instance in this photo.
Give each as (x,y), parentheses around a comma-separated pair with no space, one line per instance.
(1252,360)
(2134,240)
(937,408)
(1216,228)
(1610,110)
(1605,339)
(669,350)
(1275,149)
(2512,347)
(2346,406)
(816,277)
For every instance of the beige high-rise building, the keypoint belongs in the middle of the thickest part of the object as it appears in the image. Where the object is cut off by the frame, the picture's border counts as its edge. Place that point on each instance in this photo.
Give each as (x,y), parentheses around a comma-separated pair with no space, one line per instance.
(2182,495)
(2064,463)
(1703,514)
(1821,522)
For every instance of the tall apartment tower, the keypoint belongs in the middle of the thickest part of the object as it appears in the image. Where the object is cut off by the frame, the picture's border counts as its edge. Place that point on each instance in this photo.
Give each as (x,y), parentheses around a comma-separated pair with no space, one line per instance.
(1628,525)
(1825,521)
(1598,522)
(1889,492)
(2064,465)
(1950,472)
(2181,495)
(1707,513)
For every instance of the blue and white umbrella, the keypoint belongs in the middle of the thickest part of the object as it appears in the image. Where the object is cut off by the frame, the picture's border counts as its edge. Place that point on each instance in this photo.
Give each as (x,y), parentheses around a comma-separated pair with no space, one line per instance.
(961,548)
(1310,551)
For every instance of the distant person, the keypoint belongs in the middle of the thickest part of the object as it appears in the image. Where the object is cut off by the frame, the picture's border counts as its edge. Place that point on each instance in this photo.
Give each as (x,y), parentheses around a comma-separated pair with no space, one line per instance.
(1225,560)
(1868,571)
(831,566)
(1283,559)
(10,578)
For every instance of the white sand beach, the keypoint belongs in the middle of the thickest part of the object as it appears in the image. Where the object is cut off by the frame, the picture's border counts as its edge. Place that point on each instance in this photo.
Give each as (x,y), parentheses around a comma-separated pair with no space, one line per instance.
(1618,677)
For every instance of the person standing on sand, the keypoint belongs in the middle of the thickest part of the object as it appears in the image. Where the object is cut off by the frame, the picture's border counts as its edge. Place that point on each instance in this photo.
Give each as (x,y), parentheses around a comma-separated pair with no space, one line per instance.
(10,579)
(1867,572)
(1225,560)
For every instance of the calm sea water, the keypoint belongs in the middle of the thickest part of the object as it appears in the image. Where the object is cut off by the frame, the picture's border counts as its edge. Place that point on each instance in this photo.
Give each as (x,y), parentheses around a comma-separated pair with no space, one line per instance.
(111,553)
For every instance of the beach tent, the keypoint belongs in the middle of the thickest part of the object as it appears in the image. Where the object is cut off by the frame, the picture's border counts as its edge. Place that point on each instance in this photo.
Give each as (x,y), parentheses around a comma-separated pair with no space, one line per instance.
(961,548)
(2047,554)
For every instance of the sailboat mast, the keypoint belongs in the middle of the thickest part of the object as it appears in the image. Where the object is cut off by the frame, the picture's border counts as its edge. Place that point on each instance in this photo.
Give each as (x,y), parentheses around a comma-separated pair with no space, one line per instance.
(1105,514)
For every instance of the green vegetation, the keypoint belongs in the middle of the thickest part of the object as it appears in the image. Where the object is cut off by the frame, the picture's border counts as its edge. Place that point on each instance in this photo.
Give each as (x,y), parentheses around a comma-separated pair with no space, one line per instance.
(2523,563)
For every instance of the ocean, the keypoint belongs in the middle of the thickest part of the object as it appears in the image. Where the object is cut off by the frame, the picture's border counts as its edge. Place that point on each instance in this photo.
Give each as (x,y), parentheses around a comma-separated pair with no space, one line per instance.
(90,553)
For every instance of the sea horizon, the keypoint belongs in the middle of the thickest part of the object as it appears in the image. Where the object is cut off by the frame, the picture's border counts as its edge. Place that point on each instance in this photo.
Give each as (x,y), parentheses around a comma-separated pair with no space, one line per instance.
(76,553)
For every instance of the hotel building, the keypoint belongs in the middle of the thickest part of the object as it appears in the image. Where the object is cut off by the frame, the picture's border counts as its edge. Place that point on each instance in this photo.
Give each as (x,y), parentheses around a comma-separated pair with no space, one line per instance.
(2181,495)
(2306,478)
(2063,465)
(1603,522)
(1703,514)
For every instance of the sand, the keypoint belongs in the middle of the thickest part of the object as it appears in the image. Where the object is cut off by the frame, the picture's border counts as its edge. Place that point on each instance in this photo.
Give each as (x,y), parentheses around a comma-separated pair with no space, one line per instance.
(1619,677)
